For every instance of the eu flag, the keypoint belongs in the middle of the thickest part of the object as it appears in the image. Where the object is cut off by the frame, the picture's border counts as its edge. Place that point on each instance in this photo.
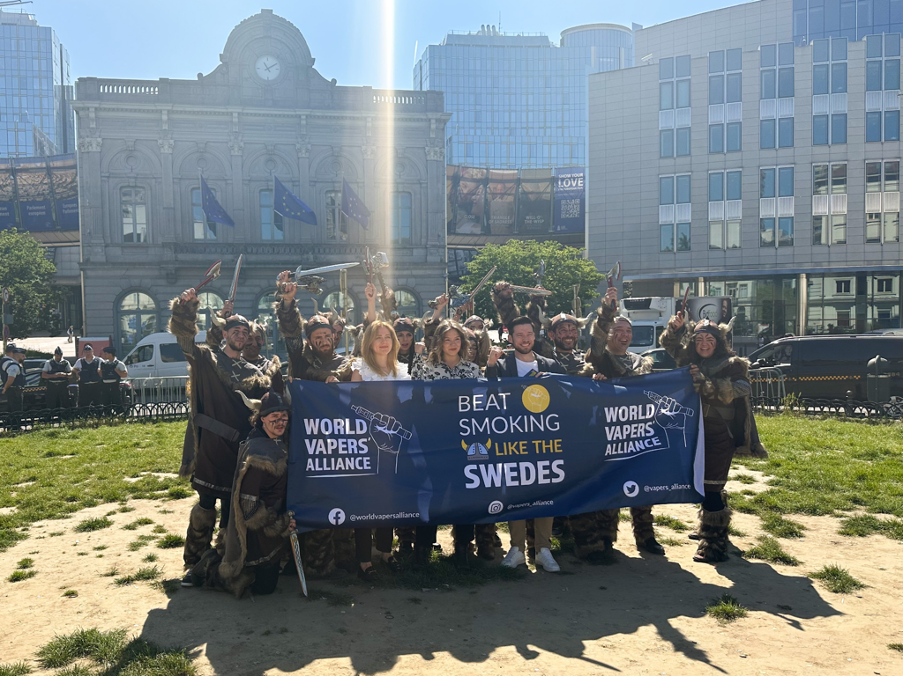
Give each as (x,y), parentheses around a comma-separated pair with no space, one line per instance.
(352,206)
(212,209)
(289,206)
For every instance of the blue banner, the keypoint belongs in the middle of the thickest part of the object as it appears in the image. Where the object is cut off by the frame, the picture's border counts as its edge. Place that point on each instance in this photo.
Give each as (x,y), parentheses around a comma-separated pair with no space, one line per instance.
(36,215)
(476,451)
(67,213)
(568,214)
(8,215)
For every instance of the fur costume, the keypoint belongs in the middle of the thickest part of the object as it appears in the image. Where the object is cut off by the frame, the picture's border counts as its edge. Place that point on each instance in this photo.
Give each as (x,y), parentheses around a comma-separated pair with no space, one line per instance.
(713,534)
(210,460)
(535,310)
(598,357)
(258,528)
(304,362)
(200,531)
(483,347)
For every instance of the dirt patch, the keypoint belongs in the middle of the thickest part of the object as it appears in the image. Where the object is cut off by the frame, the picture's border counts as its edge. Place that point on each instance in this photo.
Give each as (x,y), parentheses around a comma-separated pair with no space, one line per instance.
(643,615)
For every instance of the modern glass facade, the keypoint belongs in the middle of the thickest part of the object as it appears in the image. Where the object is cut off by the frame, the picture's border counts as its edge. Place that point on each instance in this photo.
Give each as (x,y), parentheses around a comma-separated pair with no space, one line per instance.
(851,19)
(35,90)
(520,101)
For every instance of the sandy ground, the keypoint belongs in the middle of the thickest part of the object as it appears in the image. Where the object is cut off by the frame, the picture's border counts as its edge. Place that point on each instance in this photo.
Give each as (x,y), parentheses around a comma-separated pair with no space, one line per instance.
(643,615)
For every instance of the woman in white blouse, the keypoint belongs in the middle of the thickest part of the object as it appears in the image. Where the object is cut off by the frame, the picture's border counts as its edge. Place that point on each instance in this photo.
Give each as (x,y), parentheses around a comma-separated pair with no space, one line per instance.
(448,360)
(379,348)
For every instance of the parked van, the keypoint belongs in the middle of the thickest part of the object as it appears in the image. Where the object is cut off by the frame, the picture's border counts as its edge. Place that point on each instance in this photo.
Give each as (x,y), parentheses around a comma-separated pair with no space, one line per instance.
(827,367)
(159,356)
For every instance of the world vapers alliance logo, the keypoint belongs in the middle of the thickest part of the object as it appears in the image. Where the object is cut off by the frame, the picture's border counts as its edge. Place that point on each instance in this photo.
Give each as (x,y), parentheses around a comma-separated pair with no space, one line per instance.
(495,507)
(477,450)
(631,489)
(337,517)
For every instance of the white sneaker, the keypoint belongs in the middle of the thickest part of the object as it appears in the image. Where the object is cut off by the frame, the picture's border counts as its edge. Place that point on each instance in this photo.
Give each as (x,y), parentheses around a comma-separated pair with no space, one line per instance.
(514,558)
(544,560)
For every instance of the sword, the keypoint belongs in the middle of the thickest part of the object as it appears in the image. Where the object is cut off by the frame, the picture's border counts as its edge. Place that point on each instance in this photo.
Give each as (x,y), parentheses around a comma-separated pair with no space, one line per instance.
(369,264)
(612,276)
(465,298)
(212,273)
(296,550)
(531,290)
(684,304)
(235,277)
(301,272)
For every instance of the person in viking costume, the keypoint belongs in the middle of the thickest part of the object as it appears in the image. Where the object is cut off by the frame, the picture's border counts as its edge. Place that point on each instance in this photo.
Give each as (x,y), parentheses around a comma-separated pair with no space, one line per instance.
(252,350)
(720,377)
(608,358)
(219,420)
(480,329)
(257,534)
(535,310)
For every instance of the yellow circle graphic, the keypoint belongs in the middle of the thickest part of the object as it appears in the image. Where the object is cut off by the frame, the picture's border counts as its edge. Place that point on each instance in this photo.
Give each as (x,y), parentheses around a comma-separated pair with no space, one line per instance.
(535,398)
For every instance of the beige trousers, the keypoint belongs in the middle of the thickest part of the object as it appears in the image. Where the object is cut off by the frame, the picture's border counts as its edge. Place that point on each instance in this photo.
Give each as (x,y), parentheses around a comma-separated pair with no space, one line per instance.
(542,533)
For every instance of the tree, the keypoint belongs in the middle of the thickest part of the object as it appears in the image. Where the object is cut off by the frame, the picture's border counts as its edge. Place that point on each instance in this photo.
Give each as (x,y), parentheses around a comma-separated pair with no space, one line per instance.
(28,275)
(516,262)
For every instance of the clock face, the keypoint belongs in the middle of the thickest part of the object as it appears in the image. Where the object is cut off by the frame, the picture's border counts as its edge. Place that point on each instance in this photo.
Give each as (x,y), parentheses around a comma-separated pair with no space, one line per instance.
(267,68)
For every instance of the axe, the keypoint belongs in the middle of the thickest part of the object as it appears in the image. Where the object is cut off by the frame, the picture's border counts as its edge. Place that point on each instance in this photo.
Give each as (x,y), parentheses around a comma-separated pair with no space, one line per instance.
(612,276)
(212,273)
(683,311)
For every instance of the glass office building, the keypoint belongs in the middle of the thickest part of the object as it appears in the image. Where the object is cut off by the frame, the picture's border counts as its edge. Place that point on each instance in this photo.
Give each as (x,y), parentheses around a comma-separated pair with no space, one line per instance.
(35,90)
(851,19)
(518,100)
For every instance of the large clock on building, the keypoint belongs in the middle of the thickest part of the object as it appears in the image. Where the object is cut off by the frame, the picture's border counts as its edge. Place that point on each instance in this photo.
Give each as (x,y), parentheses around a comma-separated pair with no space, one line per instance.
(267,68)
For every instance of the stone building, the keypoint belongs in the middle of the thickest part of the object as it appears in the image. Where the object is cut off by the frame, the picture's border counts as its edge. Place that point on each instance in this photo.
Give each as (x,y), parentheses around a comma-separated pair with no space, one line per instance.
(264,111)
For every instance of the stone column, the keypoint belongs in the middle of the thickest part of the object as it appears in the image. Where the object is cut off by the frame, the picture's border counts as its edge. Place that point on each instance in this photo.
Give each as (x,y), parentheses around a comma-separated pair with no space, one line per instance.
(236,150)
(305,190)
(436,198)
(369,197)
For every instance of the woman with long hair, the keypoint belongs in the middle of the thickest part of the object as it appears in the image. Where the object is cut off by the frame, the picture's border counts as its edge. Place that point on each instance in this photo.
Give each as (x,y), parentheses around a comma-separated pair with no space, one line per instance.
(378,362)
(720,377)
(448,359)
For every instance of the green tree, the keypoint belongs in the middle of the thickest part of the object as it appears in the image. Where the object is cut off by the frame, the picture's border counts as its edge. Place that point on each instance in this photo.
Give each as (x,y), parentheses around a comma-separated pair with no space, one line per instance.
(28,275)
(516,262)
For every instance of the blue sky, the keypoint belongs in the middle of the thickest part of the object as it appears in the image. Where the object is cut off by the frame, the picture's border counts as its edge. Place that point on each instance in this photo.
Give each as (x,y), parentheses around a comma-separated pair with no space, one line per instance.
(179,39)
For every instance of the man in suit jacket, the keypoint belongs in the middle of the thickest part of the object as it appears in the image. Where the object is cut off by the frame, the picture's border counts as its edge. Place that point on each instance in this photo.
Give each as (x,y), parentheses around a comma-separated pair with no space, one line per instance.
(524,363)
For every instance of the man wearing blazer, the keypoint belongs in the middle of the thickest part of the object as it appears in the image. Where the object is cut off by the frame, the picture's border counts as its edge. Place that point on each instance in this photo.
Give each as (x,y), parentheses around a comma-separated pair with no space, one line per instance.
(524,363)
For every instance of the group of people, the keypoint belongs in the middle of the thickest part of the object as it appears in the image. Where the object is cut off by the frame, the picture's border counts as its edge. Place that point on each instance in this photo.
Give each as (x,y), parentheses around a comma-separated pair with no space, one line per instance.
(98,379)
(241,460)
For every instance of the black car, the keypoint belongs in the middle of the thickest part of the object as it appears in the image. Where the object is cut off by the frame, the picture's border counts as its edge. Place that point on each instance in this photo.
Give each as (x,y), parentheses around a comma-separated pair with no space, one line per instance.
(828,367)
(662,360)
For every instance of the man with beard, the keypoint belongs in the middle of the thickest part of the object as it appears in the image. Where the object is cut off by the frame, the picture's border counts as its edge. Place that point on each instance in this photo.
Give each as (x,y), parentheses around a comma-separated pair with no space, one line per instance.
(523,363)
(312,356)
(608,358)
(252,350)
(564,329)
(507,309)
(220,420)
(56,375)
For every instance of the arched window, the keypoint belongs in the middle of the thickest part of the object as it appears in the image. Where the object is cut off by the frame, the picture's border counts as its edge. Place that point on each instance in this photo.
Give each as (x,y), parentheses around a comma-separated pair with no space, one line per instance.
(337,300)
(137,319)
(265,315)
(211,303)
(408,305)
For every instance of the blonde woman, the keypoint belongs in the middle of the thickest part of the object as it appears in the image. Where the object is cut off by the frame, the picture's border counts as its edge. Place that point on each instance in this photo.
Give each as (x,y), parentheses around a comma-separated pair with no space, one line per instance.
(377,362)
(448,359)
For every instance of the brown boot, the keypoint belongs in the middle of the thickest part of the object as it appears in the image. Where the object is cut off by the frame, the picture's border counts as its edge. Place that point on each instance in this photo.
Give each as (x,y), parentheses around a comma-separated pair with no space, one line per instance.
(200,531)
(713,532)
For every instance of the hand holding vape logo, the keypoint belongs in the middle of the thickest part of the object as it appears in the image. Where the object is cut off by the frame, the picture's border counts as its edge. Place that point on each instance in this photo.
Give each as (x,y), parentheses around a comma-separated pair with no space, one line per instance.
(387,432)
(669,413)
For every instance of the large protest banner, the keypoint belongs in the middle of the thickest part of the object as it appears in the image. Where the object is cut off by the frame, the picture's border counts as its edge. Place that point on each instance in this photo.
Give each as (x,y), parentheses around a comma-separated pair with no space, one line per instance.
(476,451)
(535,202)
(501,191)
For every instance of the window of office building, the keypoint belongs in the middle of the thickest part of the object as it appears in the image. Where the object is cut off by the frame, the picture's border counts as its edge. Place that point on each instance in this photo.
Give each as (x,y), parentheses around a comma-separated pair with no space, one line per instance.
(336,221)
(776,206)
(883,74)
(725,210)
(725,101)
(271,222)
(134,208)
(674,106)
(777,96)
(675,213)
(883,202)
(830,203)
(830,101)
(202,228)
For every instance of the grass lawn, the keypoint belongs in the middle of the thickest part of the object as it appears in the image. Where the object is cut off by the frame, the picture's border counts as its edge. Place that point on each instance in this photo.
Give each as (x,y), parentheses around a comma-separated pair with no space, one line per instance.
(816,467)
(828,467)
(51,473)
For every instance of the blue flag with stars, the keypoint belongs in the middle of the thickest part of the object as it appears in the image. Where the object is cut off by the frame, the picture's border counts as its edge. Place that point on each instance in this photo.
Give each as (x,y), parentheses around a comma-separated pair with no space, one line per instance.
(289,206)
(352,206)
(212,209)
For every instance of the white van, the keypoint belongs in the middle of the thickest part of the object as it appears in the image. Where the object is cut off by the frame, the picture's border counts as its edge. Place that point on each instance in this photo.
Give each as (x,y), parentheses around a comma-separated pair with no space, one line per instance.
(159,356)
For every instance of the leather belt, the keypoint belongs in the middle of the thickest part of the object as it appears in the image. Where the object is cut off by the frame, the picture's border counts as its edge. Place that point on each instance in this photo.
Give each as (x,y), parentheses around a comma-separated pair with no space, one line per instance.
(215,426)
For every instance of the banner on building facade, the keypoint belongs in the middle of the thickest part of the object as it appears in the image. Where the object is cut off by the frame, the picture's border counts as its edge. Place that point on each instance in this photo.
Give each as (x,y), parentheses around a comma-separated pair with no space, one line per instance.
(470,202)
(535,202)
(7,198)
(370,454)
(33,185)
(39,193)
(65,191)
(501,190)
(569,199)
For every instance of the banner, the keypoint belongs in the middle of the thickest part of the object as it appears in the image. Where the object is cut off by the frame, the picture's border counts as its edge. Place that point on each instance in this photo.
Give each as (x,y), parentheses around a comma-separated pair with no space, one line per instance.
(476,451)
(33,184)
(7,198)
(503,185)
(569,198)
(535,202)
(65,191)
(470,217)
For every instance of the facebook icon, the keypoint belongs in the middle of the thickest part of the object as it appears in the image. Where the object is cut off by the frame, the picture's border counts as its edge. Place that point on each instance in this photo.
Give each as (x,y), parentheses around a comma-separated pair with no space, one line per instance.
(337,517)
